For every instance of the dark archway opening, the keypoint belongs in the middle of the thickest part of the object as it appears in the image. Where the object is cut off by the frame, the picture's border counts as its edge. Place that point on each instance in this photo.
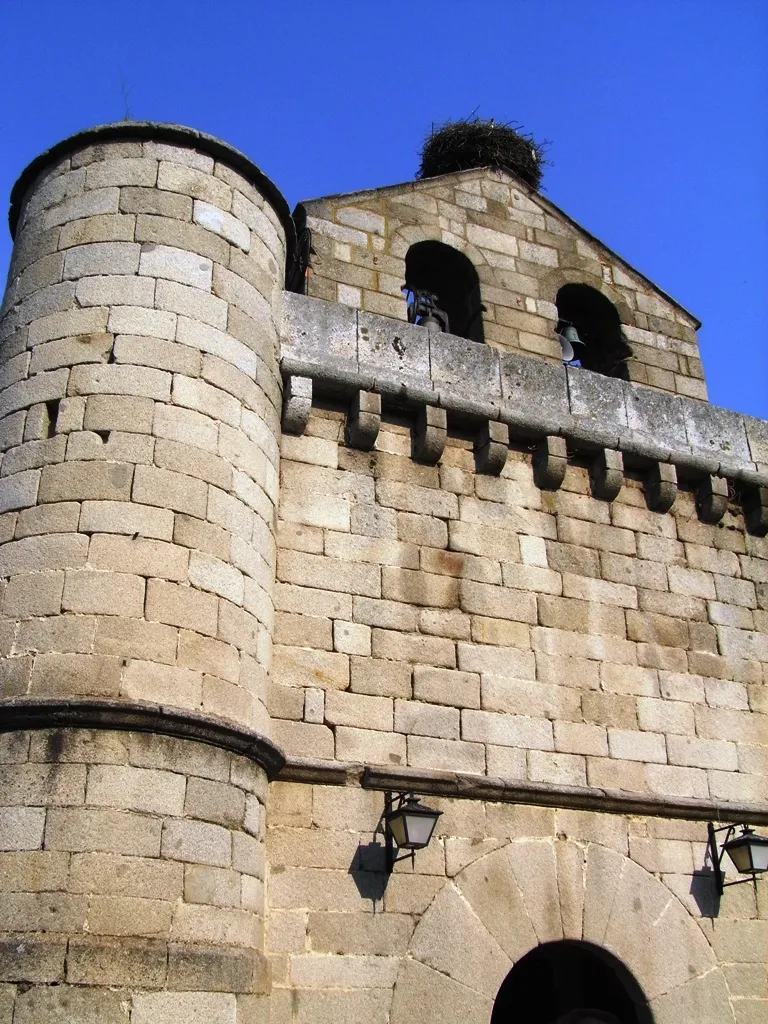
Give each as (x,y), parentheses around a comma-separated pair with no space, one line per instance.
(570,983)
(446,273)
(604,349)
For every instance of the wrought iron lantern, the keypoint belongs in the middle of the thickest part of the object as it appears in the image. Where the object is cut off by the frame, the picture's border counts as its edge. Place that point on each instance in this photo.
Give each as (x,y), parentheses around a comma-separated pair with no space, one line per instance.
(408,825)
(748,852)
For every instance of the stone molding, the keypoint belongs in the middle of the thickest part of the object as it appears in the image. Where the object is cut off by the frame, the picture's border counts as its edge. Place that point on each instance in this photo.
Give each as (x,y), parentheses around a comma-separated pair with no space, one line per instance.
(21,713)
(462,785)
(342,351)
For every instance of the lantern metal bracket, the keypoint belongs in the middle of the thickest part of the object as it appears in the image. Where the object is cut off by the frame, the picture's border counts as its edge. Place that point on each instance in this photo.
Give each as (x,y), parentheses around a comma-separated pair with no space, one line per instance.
(717,856)
(392,802)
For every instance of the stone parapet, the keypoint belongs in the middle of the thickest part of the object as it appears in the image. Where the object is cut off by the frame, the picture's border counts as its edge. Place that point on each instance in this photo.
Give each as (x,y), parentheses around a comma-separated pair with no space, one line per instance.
(344,351)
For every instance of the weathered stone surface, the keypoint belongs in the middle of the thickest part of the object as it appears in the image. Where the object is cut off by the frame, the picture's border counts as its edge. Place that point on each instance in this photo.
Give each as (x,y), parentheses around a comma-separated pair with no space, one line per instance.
(712,499)
(297,404)
(492,447)
(477,961)
(364,420)
(715,431)
(319,332)
(597,405)
(489,883)
(655,934)
(465,368)
(654,419)
(396,354)
(661,486)
(535,396)
(606,474)
(427,995)
(429,434)
(550,463)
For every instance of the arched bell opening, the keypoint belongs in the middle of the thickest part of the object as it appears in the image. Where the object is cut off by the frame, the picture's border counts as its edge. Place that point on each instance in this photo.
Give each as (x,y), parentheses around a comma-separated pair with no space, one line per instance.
(570,982)
(443,289)
(598,343)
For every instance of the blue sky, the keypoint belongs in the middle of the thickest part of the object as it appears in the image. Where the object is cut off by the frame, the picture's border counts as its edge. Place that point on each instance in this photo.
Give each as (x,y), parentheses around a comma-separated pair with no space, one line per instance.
(657,113)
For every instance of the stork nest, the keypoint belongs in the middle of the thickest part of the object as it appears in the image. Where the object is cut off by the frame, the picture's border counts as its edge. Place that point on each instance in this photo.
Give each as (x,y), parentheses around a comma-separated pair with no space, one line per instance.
(477,142)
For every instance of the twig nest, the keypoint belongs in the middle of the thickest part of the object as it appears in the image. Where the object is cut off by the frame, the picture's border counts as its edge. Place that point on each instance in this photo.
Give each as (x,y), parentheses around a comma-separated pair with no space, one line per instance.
(477,142)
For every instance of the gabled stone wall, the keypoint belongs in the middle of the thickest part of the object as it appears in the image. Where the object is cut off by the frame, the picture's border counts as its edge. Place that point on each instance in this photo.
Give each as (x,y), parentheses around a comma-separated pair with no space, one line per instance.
(523,248)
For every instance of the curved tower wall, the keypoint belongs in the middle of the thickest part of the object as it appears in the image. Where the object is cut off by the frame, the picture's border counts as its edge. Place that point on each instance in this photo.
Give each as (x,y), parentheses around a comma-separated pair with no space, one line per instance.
(139,426)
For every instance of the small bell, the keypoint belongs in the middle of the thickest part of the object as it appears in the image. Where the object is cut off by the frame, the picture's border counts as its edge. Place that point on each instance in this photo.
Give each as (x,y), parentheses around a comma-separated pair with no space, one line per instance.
(569,337)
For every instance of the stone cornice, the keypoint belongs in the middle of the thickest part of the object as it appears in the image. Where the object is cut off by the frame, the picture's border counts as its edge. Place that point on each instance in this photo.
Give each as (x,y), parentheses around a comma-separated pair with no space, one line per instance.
(339,351)
(20,713)
(460,785)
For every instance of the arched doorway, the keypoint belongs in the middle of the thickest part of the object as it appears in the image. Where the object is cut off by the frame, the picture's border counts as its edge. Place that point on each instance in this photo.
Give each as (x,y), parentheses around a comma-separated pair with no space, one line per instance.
(570,982)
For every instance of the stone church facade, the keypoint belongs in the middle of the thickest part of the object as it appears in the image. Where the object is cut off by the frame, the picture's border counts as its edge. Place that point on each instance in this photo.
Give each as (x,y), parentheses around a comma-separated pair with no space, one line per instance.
(269,553)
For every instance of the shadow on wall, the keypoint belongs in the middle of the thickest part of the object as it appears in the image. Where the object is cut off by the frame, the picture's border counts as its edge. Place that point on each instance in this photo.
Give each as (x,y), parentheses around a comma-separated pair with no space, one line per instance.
(368,870)
(704,892)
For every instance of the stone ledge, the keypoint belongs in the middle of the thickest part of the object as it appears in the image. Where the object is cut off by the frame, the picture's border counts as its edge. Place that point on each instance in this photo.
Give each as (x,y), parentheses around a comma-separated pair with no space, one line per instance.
(20,713)
(342,349)
(461,785)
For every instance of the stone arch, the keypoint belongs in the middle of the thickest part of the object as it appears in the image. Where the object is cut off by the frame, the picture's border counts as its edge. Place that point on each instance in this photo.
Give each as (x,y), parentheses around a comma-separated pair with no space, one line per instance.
(551,283)
(530,892)
(406,235)
(571,981)
(444,271)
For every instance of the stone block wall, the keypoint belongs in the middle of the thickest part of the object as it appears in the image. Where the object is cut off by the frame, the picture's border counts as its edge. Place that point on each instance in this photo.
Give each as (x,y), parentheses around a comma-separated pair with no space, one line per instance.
(138,424)
(132,863)
(534,595)
(523,248)
(440,618)
(438,937)
(139,429)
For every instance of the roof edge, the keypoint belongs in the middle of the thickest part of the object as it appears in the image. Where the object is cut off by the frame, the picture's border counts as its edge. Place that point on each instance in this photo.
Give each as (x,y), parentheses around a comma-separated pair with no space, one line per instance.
(156,131)
(503,172)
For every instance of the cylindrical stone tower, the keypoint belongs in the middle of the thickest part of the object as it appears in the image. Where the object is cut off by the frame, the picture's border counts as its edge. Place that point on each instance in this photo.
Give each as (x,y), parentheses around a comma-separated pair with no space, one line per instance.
(139,426)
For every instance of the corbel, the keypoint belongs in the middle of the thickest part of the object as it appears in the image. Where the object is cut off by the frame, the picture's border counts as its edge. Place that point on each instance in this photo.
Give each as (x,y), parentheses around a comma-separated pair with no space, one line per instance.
(756,510)
(661,486)
(606,474)
(712,499)
(491,447)
(429,434)
(297,404)
(364,420)
(550,459)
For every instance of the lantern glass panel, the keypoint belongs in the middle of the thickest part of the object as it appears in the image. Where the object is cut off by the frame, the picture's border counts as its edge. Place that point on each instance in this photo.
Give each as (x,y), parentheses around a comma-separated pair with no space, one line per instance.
(760,857)
(749,853)
(419,829)
(739,854)
(397,828)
